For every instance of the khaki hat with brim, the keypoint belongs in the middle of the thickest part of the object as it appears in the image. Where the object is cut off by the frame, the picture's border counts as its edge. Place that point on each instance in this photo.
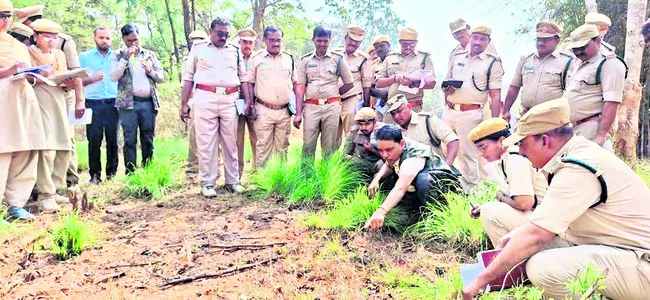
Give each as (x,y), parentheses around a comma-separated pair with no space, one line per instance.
(380,39)
(487,127)
(540,119)
(598,19)
(247,34)
(481,28)
(582,35)
(21,29)
(6,5)
(199,34)
(408,34)
(457,26)
(547,29)
(45,25)
(395,102)
(29,11)
(365,114)
(356,32)
(370,49)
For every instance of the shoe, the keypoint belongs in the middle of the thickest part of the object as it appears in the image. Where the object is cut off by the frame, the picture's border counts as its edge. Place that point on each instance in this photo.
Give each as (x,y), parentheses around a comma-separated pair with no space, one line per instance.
(208,191)
(235,188)
(61,199)
(95,180)
(48,205)
(19,213)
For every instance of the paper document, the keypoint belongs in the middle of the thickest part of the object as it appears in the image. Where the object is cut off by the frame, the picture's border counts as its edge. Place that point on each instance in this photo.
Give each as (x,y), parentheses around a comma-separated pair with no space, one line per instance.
(36,69)
(292,104)
(85,120)
(22,76)
(76,73)
(240,104)
(379,108)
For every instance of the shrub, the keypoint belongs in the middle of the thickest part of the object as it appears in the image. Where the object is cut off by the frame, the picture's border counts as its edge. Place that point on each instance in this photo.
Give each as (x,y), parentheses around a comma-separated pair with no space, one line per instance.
(82,155)
(71,235)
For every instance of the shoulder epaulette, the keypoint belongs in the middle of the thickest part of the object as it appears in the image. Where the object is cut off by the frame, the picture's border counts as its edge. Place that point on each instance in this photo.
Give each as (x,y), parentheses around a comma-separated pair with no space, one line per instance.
(307,55)
(393,53)
(566,54)
(527,56)
(424,52)
(337,53)
(461,52)
(287,53)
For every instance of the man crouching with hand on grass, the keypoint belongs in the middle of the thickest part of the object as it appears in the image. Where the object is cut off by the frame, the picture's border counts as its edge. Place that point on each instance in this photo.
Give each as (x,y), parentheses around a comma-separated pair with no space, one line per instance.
(422,175)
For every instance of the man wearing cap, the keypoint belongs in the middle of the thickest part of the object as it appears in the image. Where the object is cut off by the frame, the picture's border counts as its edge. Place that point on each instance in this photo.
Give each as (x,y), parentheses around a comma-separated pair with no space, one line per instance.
(362,76)
(481,72)
(359,142)
(318,82)
(645,31)
(271,80)
(424,127)
(595,88)
(379,95)
(460,32)
(247,39)
(541,76)
(100,94)
(604,23)
(215,69)
(603,223)
(22,33)
(370,50)
(22,134)
(398,71)
(423,176)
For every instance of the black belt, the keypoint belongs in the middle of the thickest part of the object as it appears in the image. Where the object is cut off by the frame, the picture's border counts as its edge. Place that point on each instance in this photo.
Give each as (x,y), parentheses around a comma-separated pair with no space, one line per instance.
(141,99)
(102,101)
(350,97)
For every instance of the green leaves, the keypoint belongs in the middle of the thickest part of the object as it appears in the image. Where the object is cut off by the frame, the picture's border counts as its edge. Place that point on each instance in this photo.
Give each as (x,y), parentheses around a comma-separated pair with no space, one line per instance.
(71,235)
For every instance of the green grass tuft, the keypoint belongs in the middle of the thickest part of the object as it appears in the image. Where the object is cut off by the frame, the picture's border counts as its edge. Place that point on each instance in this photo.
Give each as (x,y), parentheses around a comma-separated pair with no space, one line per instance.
(71,235)
(588,284)
(404,285)
(155,180)
(82,155)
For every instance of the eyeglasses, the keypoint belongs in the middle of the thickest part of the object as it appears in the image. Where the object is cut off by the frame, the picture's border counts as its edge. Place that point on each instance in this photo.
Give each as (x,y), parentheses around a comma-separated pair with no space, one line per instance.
(5,16)
(222,33)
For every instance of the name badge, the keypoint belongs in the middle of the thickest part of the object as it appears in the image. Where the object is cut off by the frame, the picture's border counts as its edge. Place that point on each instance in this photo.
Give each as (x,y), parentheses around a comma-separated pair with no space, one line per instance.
(461,64)
(528,68)
(312,65)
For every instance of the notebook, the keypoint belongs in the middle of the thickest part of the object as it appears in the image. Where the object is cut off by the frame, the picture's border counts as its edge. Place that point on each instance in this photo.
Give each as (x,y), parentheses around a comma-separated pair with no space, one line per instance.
(470,272)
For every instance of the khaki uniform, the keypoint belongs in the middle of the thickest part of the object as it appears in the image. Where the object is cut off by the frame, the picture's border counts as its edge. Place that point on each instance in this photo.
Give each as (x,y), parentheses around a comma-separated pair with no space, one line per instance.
(273,78)
(490,49)
(23,133)
(362,76)
(473,72)
(241,129)
(417,130)
(321,75)
(215,113)
(586,98)
(69,47)
(355,141)
(376,66)
(541,79)
(396,63)
(613,235)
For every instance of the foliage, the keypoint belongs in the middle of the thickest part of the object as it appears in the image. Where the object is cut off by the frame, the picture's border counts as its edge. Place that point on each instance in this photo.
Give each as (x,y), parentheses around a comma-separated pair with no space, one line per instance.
(589,284)
(643,170)
(405,285)
(82,155)
(71,235)
(519,292)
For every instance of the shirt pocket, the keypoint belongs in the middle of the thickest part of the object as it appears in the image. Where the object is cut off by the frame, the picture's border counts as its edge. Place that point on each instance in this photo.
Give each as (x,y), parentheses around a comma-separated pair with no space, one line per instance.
(584,82)
(527,76)
(551,77)
(264,71)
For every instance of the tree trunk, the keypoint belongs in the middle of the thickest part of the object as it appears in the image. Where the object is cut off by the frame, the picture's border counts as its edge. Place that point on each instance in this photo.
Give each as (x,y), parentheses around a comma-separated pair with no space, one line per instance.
(193,14)
(186,22)
(259,6)
(592,6)
(628,112)
(173,29)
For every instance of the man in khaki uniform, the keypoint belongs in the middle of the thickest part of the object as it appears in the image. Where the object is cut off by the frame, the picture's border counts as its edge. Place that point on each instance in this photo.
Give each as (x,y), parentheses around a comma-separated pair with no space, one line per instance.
(576,227)
(196,37)
(271,77)
(359,142)
(214,69)
(362,76)
(381,44)
(318,82)
(424,127)
(604,23)
(460,31)
(247,39)
(22,33)
(399,68)
(594,94)
(481,72)
(541,76)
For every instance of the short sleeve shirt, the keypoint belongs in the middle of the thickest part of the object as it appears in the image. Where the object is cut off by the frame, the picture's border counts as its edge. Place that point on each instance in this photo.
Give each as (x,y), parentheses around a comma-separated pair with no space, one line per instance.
(321,75)
(473,71)
(397,63)
(221,67)
(273,77)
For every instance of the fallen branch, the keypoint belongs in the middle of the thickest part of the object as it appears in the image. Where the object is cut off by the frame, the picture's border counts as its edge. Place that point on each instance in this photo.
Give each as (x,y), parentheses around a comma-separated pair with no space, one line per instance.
(219,274)
(134,265)
(109,276)
(236,247)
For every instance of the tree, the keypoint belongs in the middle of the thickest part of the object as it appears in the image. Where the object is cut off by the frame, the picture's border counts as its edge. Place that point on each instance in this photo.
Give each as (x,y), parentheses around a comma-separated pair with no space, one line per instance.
(186,21)
(591,5)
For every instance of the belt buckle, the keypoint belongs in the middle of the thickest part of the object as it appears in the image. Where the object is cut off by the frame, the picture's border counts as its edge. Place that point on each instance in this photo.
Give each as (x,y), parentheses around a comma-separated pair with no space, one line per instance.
(456,106)
(220,90)
(321,101)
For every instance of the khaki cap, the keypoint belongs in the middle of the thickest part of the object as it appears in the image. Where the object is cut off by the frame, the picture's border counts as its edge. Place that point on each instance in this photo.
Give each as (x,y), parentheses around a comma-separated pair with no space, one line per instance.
(408,34)
(365,114)
(45,25)
(29,11)
(370,49)
(247,34)
(539,119)
(457,26)
(198,34)
(487,127)
(598,19)
(395,102)
(6,5)
(548,29)
(481,28)
(380,39)
(582,35)
(356,32)
(21,29)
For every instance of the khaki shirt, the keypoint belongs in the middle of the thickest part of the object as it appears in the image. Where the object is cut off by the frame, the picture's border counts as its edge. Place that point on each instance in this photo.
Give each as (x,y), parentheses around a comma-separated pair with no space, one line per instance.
(396,63)
(321,75)
(490,49)
(585,97)
(607,46)
(363,73)
(473,72)
(622,221)
(355,140)
(273,76)
(69,47)
(518,176)
(417,130)
(221,67)
(540,79)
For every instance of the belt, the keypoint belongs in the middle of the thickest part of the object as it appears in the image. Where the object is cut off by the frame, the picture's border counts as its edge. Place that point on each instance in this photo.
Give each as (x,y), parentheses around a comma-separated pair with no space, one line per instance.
(141,99)
(415,103)
(323,101)
(217,90)
(272,106)
(349,97)
(102,101)
(587,119)
(463,107)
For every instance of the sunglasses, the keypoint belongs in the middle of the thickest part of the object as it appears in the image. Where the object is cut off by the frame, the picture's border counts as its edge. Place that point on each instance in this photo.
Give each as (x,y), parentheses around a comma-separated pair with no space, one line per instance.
(5,16)
(222,33)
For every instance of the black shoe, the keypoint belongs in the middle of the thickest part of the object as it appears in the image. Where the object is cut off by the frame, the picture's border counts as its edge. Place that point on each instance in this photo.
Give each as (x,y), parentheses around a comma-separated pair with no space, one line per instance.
(95,180)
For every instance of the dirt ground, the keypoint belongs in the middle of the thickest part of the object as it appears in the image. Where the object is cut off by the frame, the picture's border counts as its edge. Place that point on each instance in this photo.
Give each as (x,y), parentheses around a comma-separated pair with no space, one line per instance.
(145,245)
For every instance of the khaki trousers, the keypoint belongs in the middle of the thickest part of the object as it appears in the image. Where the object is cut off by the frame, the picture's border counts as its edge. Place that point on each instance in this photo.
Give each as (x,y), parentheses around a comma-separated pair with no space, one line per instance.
(17,176)
(589,129)
(216,123)
(348,110)
(467,160)
(72,174)
(324,120)
(252,136)
(51,174)
(272,128)
(192,156)
(499,218)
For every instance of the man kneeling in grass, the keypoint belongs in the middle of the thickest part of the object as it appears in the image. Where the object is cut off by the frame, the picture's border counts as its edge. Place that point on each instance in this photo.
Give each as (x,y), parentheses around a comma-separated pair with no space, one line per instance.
(422,175)
(359,142)
(595,212)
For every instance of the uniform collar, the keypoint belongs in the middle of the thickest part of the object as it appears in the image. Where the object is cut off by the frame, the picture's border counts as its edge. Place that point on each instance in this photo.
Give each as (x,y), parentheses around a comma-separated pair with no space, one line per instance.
(598,56)
(555,162)
(555,53)
(414,119)
(482,56)
(328,53)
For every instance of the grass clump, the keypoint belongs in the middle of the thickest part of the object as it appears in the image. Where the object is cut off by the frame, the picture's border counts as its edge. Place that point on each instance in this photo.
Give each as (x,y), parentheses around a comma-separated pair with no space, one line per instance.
(452,223)
(405,285)
(519,292)
(71,235)
(587,285)
(155,180)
